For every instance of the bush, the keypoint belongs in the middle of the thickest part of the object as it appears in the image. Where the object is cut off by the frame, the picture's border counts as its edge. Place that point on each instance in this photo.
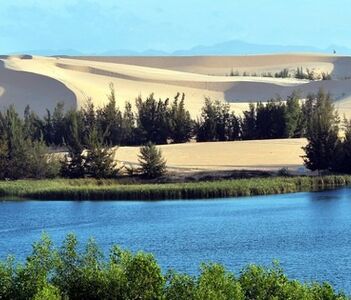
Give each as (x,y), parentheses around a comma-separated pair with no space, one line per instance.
(72,272)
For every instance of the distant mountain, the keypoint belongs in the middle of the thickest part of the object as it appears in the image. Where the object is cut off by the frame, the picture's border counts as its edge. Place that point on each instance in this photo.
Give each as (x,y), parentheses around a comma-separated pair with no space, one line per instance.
(50,52)
(234,47)
(126,52)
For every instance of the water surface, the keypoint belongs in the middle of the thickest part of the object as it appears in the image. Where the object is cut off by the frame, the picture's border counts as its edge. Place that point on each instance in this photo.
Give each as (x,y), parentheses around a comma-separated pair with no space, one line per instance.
(309,233)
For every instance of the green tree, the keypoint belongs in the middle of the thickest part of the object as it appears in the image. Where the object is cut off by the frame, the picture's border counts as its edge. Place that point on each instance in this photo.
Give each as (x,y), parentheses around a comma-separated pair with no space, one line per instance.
(109,119)
(72,165)
(99,161)
(89,119)
(207,125)
(249,123)
(128,125)
(342,156)
(181,125)
(216,283)
(40,163)
(322,133)
(180,286)
(152,164)
(58,124)
(152,120)
(33,125)
(293,116)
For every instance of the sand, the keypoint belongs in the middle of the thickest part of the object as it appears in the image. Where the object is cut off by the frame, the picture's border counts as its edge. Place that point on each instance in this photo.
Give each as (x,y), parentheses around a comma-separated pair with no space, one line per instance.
(255,155)
(43,81)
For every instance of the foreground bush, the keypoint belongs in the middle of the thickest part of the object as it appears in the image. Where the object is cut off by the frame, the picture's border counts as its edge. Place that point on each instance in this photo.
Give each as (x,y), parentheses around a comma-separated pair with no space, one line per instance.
(71,273)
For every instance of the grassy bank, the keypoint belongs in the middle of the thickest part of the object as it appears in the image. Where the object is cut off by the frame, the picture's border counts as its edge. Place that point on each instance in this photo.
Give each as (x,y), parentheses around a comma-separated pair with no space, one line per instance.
(91,189)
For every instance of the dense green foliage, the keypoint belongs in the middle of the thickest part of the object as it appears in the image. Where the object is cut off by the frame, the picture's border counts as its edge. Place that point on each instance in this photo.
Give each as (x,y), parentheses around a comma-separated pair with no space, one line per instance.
(68,272)
(20,156)
(161,122)
(322,132)
(152,164)
(92,189)
(326,149)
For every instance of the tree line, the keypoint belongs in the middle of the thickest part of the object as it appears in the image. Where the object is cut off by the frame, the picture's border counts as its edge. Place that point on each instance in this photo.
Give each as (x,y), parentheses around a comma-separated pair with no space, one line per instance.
(160,122)
(89,133)
(299,73)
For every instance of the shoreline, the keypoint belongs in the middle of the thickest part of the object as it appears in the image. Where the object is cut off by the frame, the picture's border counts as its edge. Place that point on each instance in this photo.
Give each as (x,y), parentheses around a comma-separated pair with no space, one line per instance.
(111,189)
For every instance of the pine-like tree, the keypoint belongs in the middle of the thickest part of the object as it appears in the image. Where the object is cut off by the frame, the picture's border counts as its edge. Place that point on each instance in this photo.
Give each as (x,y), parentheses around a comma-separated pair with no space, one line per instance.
(293,116)
(207,126)
(152,120)
(181,125)
(152,163)
(128,125)
(58,124)
(109,119)
(99,161)
(322,133)
(249,123)
(73,164)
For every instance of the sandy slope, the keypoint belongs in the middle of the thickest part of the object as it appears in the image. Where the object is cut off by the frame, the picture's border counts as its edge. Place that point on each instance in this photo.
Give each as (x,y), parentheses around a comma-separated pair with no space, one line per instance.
(264,155)
(42,81)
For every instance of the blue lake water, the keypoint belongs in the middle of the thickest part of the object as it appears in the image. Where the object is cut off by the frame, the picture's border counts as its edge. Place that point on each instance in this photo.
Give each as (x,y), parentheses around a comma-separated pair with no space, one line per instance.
(309,233)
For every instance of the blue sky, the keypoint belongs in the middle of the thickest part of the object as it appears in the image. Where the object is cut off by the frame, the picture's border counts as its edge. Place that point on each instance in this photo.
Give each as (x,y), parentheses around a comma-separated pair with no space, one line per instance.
(92,26)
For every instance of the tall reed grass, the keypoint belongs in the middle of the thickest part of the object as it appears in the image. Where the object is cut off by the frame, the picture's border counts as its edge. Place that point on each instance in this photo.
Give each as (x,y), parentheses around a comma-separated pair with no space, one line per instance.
(91,189)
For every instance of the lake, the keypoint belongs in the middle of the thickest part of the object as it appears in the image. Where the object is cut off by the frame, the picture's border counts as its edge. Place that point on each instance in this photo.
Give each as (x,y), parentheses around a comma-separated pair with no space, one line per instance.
(309,233)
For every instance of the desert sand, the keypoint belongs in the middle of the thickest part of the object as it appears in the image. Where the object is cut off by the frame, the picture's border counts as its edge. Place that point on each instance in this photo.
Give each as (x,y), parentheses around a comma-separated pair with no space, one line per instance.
(43,81)
(254,155)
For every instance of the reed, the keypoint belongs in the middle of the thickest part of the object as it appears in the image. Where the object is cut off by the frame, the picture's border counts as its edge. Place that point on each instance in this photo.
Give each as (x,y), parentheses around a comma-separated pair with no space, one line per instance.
(92,189)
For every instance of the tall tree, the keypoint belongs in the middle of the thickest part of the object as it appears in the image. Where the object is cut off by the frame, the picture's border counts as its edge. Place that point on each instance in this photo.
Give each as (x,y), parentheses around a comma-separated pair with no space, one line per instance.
(249,123)
(73,164)
(89,119)
(58,124)
(99,161)
(128,125)
(293,116)
(152,120)
(207,125)
(181,125)
(110,120)
(322,133)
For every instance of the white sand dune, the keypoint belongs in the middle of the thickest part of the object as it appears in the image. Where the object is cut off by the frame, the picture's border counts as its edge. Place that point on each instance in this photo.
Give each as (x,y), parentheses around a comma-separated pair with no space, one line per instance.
(338,66)
(263,155)
(41,92)
(43,81)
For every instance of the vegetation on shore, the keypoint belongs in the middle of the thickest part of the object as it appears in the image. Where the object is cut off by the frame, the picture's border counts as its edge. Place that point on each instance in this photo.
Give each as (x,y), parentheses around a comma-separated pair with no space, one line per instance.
(104,189)
(299,73)
(68,272)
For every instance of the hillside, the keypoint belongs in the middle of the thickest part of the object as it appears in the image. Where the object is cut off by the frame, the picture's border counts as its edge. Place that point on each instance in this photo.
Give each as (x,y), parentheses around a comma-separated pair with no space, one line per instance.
(43,81)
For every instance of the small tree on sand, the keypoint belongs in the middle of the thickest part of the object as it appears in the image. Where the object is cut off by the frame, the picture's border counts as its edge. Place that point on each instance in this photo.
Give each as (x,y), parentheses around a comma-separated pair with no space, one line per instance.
(151,161)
